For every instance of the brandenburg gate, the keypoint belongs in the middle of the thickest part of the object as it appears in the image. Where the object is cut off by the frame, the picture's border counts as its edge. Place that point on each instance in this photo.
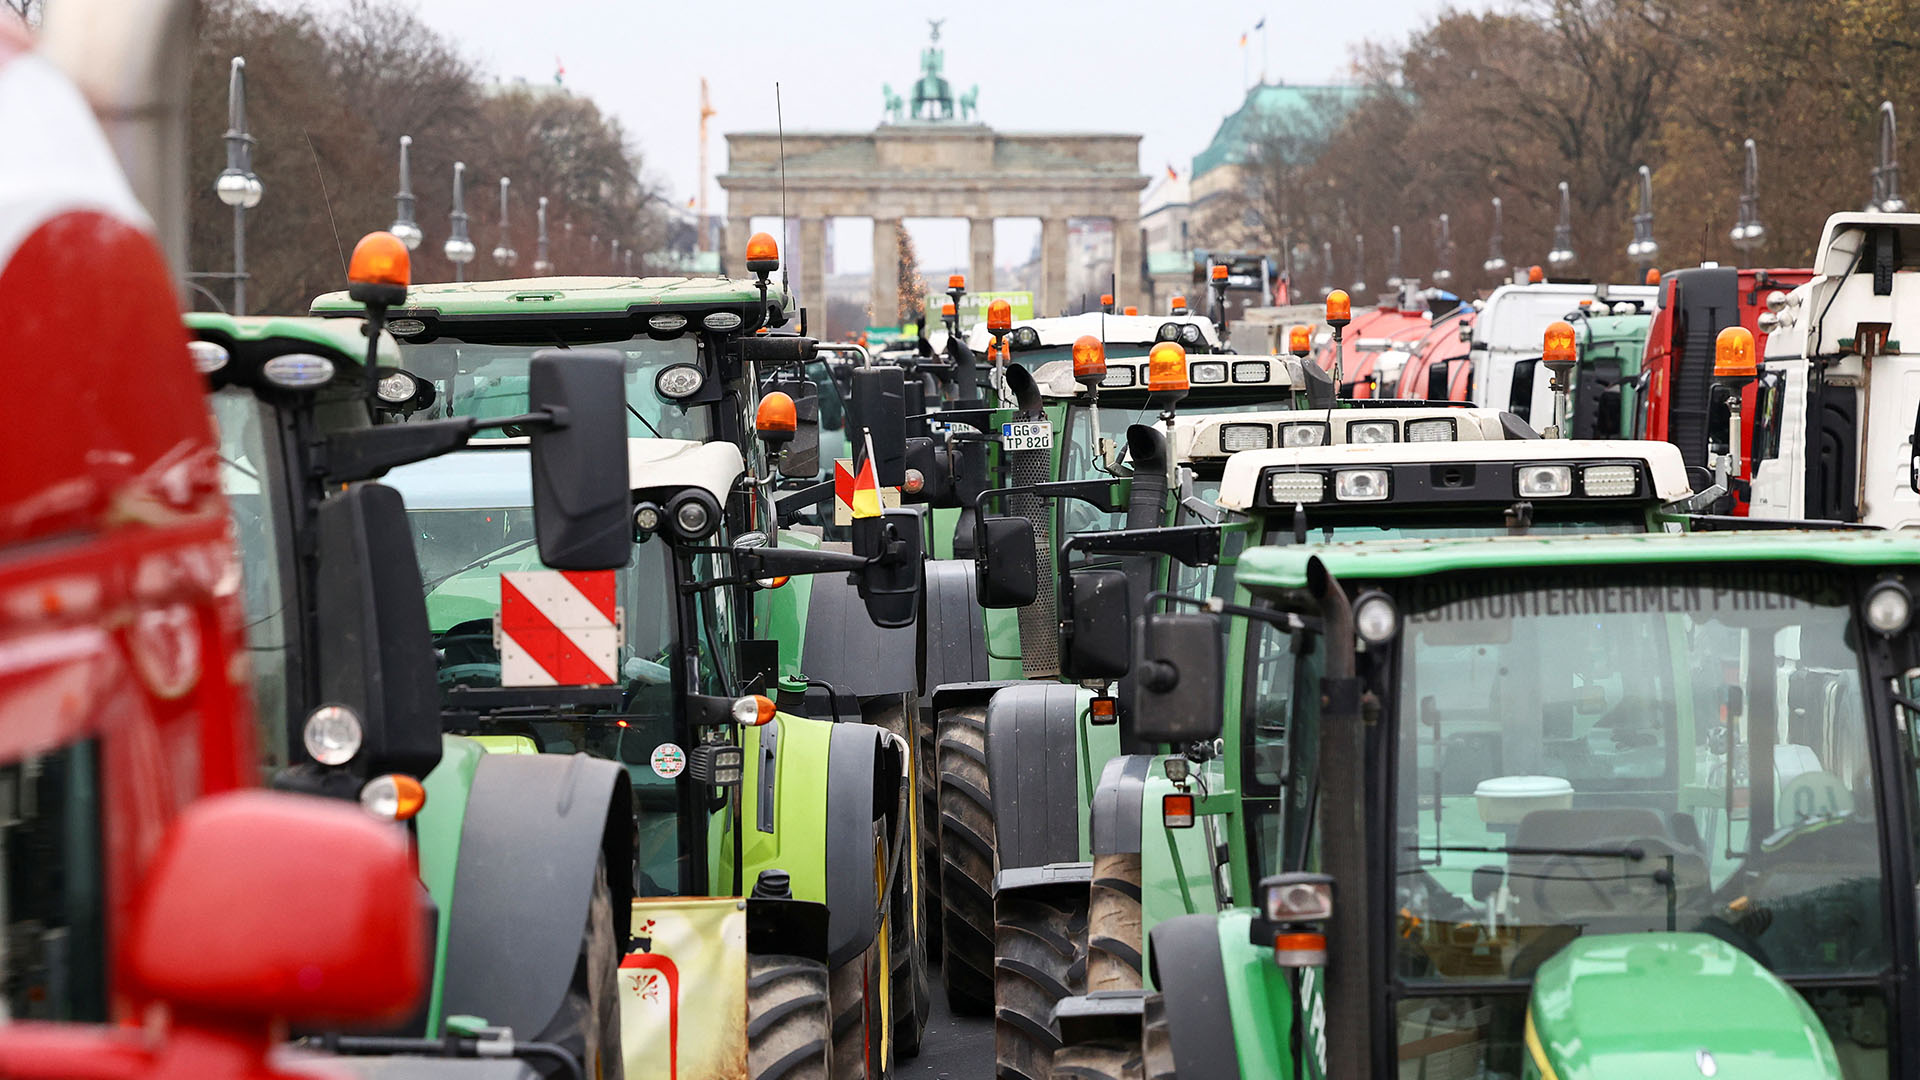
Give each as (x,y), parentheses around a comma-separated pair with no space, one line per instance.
(931,157)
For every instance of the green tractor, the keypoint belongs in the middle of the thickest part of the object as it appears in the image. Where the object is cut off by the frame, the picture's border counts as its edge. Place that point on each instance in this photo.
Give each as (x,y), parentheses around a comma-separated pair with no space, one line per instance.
(698,355)
(772,849)
(344,673)
(1608,394)
(1549,806)
(1390,472)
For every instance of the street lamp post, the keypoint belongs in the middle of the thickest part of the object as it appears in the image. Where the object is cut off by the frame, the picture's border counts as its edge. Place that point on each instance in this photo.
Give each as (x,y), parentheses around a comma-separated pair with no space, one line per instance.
(237,186)
(1326,269)
(1443,254)
(613,255)
(1393,267)
(1562,255)
(542,265)
(503,254)
(1748,233)
(1359,264)
(1886,175)
(459,248)
(404,227)
(1496,263)
(1643,249)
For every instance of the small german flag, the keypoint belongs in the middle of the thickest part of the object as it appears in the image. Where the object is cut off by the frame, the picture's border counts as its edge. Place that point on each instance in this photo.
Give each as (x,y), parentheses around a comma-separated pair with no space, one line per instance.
(866,486)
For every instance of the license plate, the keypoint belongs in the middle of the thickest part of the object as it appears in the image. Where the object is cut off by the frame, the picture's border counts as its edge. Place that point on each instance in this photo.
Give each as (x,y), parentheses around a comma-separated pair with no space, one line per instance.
(1026,435)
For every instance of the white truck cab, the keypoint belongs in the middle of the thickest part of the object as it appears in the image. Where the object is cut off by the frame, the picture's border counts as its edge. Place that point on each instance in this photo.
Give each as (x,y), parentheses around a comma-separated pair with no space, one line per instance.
(1505,349)
(1834,436)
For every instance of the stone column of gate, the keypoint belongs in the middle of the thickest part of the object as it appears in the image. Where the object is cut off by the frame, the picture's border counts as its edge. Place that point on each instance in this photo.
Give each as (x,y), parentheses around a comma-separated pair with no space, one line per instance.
(1129,282)
(733,257)
(886,272)
(979,254)
(1053,268)
(812,286)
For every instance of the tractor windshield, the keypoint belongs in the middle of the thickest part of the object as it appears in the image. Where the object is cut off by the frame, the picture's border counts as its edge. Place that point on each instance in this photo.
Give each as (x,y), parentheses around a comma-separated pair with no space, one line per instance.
(1324,526)
(1117,412)
(249,476)
(1644,751)
(490,380)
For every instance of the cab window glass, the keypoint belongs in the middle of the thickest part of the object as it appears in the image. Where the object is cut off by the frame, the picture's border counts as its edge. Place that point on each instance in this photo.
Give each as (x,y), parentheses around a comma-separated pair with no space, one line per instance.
(53,960)
(245,426)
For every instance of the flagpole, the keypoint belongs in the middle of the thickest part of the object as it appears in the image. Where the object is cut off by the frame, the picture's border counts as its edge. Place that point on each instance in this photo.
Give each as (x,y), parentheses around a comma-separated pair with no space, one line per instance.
(1263,50)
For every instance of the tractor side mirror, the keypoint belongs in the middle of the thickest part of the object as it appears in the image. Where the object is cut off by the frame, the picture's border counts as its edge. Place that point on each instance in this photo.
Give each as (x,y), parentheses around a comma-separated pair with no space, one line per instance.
(581,501)
(1006,568)
(879,410)
(800,454)
(891,584)
(346,880)
(376,657)
(930,459)
(1178,666)
(1099,622)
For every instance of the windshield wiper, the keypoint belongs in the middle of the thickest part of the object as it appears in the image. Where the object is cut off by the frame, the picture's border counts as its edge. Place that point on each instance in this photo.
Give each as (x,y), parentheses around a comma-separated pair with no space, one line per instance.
(1631,852)
(498,553)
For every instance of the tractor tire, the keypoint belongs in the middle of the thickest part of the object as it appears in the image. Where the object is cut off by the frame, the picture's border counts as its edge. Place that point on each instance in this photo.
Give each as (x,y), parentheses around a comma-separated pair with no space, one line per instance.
(1113,924)
(966,861)
(1156,1047)
(927,786)
(789,1027)
(588,1021)
(856,1018)
(1037,962)
(906,919)
(1106,1059)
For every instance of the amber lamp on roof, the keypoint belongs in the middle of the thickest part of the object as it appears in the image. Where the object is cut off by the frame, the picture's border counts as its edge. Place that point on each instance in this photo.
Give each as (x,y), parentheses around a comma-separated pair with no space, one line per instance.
(1219,271)
(763,255)
(380,258)
(1167,367)
(1535,275)
(1299,340)
(1733,354)
(1089,360)
(957,281)
(947,309)
(1178,305)
(1339,308)
(999,316)
(1130,310)
(1556,345)
(776,419)
(1653,276)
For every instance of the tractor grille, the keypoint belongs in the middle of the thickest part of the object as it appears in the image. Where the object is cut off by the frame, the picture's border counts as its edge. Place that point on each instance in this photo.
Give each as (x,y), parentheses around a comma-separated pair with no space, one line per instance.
(1039,623)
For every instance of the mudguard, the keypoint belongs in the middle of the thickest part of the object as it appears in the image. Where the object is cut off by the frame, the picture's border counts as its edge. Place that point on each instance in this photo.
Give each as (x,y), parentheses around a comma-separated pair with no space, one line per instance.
(1693,983)
(1033,768)
(1176,869)
(1194,984)
(535,828)
(843,648)
(956,695)
(1114,825)
(857,782)
(953,633)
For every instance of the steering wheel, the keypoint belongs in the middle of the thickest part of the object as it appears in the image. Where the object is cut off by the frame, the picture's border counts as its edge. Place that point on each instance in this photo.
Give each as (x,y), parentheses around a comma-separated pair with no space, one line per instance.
(467,656)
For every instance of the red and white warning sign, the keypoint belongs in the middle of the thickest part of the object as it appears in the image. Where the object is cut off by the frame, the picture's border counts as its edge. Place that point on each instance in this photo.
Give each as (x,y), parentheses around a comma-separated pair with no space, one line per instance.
(558,628)
(850,501)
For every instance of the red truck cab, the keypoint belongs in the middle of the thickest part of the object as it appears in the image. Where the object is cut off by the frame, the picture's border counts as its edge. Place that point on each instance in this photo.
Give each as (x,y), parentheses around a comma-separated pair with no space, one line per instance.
(1694,306)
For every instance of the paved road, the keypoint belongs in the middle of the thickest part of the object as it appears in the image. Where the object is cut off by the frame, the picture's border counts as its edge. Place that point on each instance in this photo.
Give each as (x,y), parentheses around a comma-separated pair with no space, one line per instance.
(953,1048)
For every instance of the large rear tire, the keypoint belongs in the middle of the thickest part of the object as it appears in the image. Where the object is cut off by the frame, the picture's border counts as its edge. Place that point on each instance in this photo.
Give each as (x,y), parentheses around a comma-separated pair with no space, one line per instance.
(966,861)
(927,786)
(588,1021)
(1113,924)
(1038,961)
(856,1018)
(789,1027)
(1156,1046)
(1102,1060)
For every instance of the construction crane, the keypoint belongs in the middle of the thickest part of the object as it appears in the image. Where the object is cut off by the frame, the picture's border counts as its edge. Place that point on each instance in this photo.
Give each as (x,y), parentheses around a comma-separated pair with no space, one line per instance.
(706,111)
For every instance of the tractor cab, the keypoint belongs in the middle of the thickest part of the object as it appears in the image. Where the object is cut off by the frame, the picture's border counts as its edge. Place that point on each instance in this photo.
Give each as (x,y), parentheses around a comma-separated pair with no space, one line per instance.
(1836,402)
(1036,342)
(1528,793)
(1505,350)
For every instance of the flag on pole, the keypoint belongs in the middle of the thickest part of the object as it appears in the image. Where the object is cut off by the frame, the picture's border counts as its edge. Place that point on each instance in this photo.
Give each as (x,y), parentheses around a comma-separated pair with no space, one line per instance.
(560,70)
(1243,41)
(1172,174)
(866,485)
(690,201)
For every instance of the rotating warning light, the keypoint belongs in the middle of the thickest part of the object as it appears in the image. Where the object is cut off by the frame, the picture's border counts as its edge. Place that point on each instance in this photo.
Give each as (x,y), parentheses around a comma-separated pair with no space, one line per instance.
(1733,353)
(1535,275)
(380,258)
(1339,308)
(1300,339)
(956,281)
(1167,367)
(999,316)
(763,255)
(1219,273)
(776,419)
(1089,360)
(1556,345)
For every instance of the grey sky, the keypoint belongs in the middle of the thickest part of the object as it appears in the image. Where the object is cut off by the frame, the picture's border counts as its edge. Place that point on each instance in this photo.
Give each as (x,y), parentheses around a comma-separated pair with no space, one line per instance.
(1169,71)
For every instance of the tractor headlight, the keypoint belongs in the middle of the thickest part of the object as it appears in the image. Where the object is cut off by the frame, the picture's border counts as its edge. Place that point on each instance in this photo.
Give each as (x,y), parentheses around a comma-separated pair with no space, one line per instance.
(1889,607)
(693,515)
(1296,487)
(1295,898)
(1211,371)
(677,381)
(397,388)
(1430,431)
(332,734)
(1360,485)
(208,357)
(1370,432)
(1545,481)
(1609,480)
(298,371)
(1375,618)
(1237,437)
(1314,434)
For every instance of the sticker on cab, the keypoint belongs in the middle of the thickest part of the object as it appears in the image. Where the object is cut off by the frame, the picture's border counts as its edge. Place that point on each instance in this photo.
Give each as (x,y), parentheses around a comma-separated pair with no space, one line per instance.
(669,760)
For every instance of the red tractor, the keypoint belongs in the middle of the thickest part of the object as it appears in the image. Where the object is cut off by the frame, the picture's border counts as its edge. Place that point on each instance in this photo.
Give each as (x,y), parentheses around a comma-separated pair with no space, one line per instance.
(133,873)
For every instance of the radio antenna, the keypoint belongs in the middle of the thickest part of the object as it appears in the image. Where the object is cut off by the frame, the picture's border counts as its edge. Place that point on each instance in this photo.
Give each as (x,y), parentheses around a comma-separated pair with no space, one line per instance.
(780,126)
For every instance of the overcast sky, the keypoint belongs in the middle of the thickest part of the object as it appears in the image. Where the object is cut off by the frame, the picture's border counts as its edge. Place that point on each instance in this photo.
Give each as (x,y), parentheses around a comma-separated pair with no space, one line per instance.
(1169,71)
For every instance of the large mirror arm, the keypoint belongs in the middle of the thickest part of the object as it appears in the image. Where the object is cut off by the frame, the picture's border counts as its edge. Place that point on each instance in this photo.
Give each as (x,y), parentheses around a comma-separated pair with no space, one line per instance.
(367,453)
(1191,545)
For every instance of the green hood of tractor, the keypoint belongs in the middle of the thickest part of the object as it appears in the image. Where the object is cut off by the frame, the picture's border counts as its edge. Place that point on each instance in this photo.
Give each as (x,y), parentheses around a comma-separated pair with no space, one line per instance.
(535,298)
(1654,1006)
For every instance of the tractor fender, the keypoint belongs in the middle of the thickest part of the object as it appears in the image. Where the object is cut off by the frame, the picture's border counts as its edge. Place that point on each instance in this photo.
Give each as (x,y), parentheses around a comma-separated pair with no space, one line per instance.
(953,630)
(843,648)
(785,926)
(959,695)
(536,829)
(1033,772)
(1194,986)
(1115,818)
(861,786)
